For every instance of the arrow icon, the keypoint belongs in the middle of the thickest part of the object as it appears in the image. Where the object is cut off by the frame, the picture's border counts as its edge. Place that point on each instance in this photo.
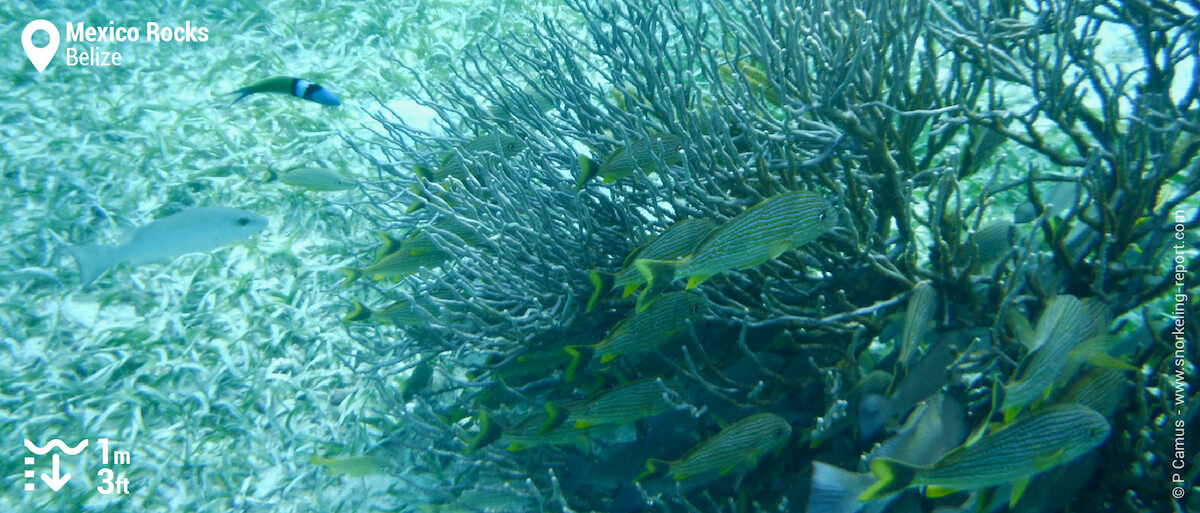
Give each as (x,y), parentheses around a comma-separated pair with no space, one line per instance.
(55,482)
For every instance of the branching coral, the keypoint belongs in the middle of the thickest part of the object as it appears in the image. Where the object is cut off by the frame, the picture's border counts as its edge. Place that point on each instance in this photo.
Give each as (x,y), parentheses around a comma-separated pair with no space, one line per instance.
(909,117)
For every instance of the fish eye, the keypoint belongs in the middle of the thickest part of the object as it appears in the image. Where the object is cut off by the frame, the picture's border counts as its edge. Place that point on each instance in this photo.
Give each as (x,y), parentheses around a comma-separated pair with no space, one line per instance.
(243,221)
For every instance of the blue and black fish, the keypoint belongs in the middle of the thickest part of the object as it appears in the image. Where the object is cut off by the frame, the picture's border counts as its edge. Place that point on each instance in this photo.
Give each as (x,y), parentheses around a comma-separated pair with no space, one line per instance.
(297,87)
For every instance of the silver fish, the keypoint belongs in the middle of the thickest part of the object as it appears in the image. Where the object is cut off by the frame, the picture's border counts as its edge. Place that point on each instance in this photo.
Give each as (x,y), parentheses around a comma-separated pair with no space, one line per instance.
(187,231)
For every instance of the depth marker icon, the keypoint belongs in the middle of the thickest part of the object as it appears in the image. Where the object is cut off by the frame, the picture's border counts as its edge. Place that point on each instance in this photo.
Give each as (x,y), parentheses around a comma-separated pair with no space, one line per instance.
(55,480)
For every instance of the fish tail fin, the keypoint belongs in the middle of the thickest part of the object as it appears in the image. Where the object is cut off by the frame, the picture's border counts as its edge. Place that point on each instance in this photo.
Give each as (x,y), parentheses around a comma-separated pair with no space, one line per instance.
(588,169)
(643,300)
(836,490)
(352,275)
(658,274)
(580,355)
(419,202)
(555,416)
(602,282)
(423,172)
(359,313)
(893,476)
(271,176)
(655,272)
(388,245)
(489,431)
(655,468)
(242,93)
(93,260)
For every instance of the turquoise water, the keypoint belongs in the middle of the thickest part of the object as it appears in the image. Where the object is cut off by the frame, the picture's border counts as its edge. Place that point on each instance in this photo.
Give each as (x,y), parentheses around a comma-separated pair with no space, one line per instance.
(221,373)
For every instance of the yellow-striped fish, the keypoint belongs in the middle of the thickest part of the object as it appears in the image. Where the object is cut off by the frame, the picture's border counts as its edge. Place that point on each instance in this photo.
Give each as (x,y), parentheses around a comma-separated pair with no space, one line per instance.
(418,379)
(677,241)
(1101,390)
(489,432)
(625,404)
(417,251)
(354,466)
(1065,324)
(918,318)
(661,321)
(924,379)
(387,246)
(400,313)
(1027,446)
(757,235)
(490,499)
(1061,198)
(993,241)
(755,78)
(741,443)
(514,370)
(397,264)
(530,437)
(487,146)
(313,179)
(642,154)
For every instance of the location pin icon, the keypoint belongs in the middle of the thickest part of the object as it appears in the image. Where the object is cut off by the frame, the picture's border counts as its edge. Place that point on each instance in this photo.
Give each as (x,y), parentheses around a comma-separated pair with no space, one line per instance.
(40,57)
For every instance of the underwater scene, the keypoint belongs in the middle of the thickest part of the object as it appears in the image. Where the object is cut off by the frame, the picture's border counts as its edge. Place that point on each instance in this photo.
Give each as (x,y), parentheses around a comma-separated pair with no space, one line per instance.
(620,256)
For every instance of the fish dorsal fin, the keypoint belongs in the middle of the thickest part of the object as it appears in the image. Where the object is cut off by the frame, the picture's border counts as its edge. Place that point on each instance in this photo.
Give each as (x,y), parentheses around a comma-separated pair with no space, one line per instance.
(628,262)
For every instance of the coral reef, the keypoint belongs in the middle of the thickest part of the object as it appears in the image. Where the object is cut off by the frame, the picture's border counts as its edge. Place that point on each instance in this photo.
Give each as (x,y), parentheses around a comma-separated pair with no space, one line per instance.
(922,123)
